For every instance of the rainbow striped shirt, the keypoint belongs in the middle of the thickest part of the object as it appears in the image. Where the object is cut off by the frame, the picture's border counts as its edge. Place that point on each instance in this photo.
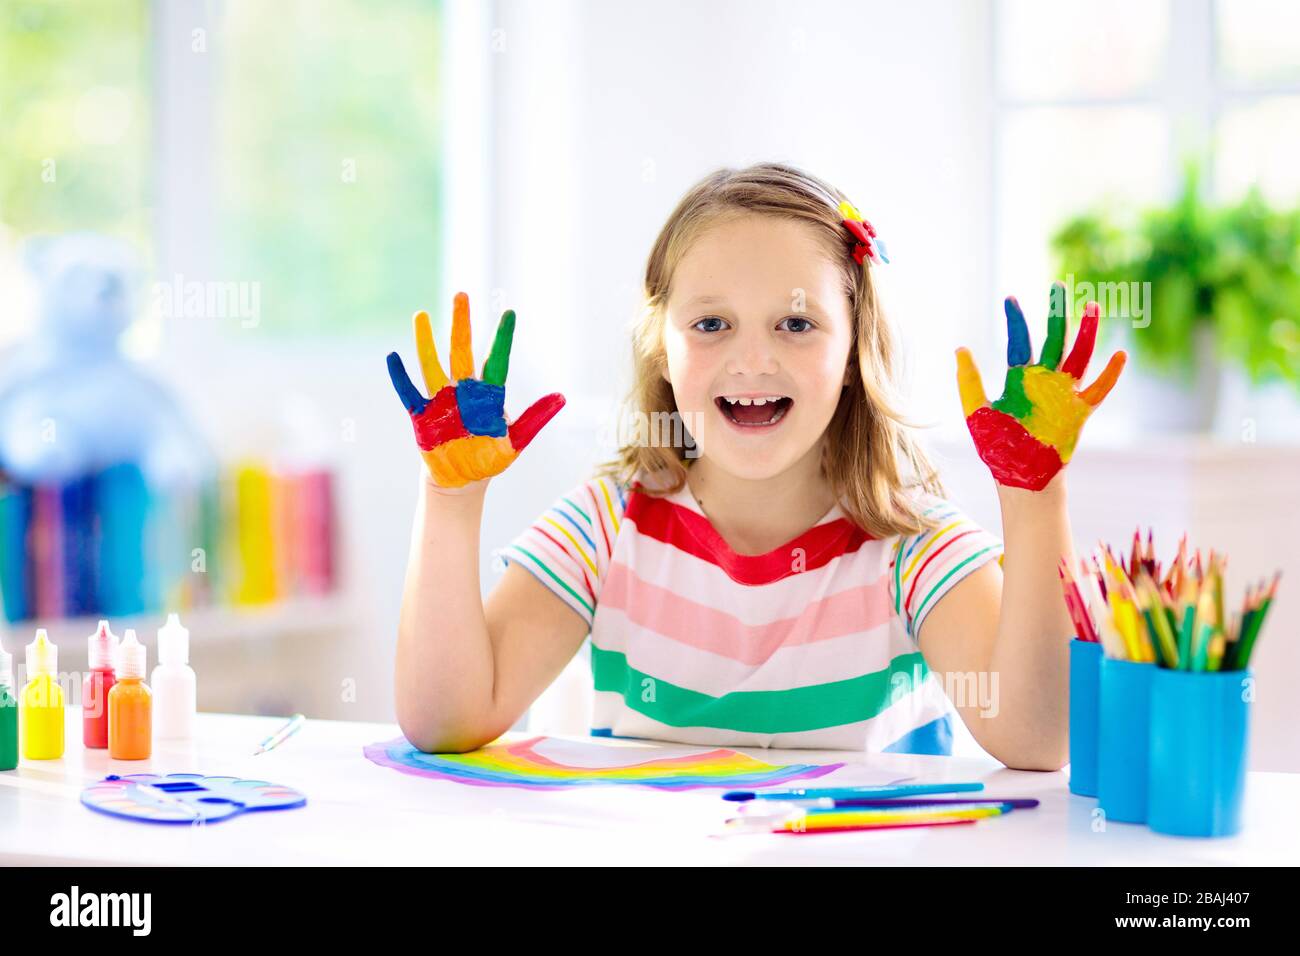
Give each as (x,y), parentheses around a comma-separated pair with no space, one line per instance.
(810,645)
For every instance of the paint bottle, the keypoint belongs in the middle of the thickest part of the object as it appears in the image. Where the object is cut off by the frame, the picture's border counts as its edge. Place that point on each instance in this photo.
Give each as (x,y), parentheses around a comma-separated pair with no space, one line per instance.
(130,704)
(173,683)
(8,713)
(41,706)
(94,689)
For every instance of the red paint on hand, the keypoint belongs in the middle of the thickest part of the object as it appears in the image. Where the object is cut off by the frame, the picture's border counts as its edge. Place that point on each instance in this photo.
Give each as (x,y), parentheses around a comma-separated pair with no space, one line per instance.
(523,429)
(440,421)
(1015,457)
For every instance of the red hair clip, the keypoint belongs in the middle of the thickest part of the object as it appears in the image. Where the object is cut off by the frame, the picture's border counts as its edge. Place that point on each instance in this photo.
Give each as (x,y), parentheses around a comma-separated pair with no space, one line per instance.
(869,245)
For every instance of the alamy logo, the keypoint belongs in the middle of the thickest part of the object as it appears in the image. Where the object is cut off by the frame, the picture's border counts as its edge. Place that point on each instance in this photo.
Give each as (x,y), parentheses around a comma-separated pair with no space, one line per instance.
(102,909)
(180,299)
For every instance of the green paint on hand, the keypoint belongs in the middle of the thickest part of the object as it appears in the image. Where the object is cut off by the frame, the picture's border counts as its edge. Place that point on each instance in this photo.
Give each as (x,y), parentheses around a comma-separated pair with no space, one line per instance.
(1014,401)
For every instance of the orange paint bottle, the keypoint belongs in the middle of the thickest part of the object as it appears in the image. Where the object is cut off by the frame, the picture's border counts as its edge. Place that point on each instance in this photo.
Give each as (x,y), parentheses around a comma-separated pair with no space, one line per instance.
(130,704)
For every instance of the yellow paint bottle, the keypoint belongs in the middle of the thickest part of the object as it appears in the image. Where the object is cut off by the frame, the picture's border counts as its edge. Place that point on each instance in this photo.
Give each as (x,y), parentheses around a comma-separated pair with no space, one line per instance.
(40,711)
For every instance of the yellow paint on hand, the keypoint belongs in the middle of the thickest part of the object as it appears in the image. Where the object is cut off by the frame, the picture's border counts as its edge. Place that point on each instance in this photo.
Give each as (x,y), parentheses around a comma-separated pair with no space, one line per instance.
(969,383)
(434,377)
(1057,413)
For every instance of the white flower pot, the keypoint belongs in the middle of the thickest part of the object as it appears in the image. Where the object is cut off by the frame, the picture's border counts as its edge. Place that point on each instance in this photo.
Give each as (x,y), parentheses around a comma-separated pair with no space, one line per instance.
(1181,404)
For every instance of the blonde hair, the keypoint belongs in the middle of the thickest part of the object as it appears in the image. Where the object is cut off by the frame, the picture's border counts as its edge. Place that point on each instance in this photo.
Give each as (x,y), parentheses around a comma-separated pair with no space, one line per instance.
(869,457)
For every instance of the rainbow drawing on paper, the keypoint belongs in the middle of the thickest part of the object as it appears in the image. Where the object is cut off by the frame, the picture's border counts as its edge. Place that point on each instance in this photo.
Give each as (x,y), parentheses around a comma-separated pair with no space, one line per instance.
(520,765)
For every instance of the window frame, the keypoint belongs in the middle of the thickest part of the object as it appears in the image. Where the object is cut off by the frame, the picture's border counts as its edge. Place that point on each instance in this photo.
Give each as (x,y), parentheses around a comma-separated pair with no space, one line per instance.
(1193,93)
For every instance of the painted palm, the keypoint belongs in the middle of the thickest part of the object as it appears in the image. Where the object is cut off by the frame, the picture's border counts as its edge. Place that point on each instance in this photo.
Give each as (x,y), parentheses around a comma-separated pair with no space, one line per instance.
(461,427)
(1028,434)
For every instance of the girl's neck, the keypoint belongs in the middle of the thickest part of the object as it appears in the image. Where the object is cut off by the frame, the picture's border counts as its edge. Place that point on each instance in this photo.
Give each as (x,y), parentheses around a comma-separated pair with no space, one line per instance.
(754,517)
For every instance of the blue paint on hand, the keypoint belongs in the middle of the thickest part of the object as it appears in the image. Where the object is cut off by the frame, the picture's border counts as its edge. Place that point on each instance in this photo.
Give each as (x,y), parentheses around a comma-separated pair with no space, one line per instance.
(482,407)
(1018,352)
(406,390)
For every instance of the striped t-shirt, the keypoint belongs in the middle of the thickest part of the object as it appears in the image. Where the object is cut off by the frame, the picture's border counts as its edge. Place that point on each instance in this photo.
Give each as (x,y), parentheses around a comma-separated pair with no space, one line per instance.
(809,645)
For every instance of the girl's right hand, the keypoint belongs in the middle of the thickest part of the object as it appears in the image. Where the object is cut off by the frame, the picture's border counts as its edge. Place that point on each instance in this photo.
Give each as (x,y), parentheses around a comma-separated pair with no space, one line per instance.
(461,428)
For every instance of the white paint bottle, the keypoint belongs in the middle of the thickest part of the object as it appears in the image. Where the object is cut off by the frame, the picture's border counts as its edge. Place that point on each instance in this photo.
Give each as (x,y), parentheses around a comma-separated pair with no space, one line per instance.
(175,695)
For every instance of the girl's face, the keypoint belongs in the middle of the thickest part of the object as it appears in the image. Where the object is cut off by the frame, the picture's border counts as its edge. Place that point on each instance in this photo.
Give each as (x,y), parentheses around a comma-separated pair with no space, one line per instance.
(757,334)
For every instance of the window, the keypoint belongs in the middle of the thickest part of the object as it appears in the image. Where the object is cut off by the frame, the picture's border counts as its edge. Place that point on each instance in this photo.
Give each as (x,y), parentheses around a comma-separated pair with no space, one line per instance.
(297,146)
(1101,102)
(76,109)
(74,95)
(1258,48)
(328,159)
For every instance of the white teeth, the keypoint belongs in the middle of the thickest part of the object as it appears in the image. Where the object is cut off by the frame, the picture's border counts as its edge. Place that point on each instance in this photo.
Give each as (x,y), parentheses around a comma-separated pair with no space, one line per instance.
(763,400)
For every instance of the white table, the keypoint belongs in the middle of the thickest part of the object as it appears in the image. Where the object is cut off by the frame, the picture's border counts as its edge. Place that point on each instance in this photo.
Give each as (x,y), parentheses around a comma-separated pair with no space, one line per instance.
(362,813)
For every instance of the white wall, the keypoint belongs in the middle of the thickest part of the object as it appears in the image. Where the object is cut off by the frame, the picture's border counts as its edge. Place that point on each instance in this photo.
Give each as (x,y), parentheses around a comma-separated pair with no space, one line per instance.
(608,112)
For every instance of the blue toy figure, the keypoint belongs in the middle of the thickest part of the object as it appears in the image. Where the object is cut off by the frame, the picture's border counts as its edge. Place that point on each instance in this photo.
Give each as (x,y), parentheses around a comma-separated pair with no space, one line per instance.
(83,423)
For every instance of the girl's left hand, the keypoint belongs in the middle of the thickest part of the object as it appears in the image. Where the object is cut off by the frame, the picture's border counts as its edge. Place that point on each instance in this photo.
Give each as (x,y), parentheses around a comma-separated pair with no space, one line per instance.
(1028,434)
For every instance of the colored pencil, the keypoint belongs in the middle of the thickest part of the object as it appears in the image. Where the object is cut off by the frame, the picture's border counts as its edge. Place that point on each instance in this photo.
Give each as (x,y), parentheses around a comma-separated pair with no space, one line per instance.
(840,819)
(1247,645)
(801,820)
(1174,617)
(847,793)
(821,831)
(822,803)
(1075,605)
(1154,611)
(1205,627)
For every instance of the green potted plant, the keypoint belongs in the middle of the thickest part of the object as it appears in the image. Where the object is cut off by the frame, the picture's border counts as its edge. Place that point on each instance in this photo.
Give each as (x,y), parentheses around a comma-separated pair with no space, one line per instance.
(1194,285)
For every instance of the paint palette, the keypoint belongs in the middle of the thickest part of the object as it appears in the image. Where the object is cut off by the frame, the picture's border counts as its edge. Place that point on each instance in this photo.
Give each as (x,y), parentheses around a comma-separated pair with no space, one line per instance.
(188,798)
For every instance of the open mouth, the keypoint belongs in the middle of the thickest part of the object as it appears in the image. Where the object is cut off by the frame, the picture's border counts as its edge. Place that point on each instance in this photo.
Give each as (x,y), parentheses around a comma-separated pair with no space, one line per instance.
(756,412)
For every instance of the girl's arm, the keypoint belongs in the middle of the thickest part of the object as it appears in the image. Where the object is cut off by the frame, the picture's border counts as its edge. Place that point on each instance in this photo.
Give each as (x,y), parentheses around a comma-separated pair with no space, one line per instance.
(1008,628)
(999,640)
(468,669)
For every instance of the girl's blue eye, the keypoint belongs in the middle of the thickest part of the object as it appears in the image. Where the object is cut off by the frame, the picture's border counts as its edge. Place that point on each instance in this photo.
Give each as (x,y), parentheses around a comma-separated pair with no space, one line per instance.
(713,323)
(795,318)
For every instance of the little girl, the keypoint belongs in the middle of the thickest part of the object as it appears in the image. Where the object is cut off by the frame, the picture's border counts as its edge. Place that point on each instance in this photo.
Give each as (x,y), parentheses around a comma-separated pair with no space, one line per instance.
(783,570)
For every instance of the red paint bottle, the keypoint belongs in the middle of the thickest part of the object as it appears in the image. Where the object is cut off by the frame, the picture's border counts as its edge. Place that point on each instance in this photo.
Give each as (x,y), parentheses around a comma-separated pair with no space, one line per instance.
(94,689)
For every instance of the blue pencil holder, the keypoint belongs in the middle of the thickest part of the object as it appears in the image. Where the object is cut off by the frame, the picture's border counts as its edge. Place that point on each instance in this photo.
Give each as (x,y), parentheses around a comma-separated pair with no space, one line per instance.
(1122,746)
(1200,728)
(1085,699)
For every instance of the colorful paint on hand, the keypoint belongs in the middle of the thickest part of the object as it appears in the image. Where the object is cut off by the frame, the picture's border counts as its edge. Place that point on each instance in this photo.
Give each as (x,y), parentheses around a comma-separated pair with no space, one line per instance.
(461,428)
(1028,434)
(520,765)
